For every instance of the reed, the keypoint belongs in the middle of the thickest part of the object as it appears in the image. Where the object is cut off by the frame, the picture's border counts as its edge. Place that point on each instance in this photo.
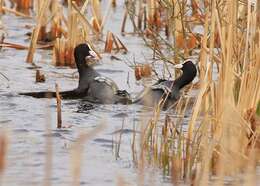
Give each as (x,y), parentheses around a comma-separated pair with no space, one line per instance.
(222,128)
(142,71)
(58,100)
(113,3)
(65,44)
(221,138)
(24,6)
(36,31)
(15,12)
(112,40)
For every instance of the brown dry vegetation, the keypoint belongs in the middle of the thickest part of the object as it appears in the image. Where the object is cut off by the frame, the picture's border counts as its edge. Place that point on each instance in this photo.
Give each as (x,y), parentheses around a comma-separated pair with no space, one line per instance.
(224,127)
(222,136)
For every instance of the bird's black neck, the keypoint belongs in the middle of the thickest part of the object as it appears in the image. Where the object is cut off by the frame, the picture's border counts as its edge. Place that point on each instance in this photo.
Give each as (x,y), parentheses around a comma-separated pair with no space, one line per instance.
(85,72)
(184,79)
(81,64)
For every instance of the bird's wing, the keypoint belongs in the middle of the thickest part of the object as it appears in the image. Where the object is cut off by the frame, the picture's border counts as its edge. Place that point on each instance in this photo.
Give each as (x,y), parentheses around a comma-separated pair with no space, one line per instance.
(107,81)
(165,86)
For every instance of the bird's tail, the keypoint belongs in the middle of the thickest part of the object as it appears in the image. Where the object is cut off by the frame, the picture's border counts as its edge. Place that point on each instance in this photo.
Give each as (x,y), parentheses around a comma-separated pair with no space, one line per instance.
(71,94)
(44,94)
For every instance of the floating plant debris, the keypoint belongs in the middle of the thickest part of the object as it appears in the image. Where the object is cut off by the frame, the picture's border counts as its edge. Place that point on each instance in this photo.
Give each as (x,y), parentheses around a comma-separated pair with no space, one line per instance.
(40,78)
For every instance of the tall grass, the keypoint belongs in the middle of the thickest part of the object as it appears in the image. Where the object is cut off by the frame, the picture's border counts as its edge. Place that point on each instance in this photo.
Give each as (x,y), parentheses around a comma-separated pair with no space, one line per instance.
(220,141)
(221,138)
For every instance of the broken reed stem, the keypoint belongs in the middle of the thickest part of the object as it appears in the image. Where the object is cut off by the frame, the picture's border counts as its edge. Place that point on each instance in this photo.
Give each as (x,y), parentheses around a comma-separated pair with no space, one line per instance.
(120,139)
(96,11)
(84,19)
(17,13)
(36,31)
(109,43)
(124,23)
(58,99)
(13,45)
(112,39)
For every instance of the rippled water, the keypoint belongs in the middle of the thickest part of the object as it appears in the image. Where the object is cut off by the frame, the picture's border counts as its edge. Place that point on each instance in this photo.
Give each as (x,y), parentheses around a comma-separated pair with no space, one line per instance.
(25,119)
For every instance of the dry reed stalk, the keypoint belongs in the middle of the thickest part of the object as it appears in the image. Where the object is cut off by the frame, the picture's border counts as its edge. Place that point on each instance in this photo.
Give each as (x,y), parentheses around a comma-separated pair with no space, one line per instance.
(203,53)
(143,71)
(124,23)
(109,42)
(24,6)
(84,7)
(121,181)
(188,43)
(96,10)
(217,131)
(151,8)
(59,52)
(6,9)
(1,6)
(21,47)
(116,43)
(83,19)
(97,18)
(177,24)
(140,14)
(122,46)
(113,3)
(133,146)
(72,28)
(212,38)
(3,151)
(56,23)
(63,49)
(77,151)
(58,100)
(36,30)
(192,122)
(13,45)
(42,33)
(95,24)
(79,2)
(224,95)
(118,144)
(195,7)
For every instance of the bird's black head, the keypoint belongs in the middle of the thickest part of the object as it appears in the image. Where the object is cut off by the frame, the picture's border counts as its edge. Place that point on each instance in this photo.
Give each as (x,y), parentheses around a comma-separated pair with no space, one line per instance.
(189,73)
(189,67)
(81,53)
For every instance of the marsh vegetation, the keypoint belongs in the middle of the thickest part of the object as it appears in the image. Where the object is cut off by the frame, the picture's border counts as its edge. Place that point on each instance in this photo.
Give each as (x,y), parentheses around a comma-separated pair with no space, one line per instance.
(210,136)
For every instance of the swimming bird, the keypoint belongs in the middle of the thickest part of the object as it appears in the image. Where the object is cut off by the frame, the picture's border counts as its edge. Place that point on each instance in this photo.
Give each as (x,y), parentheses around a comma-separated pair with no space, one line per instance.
(92,86)
(169,90)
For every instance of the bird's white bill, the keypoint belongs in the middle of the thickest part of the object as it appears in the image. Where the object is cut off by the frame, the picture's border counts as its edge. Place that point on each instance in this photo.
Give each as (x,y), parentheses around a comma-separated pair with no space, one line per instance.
(178,66)
(92,53)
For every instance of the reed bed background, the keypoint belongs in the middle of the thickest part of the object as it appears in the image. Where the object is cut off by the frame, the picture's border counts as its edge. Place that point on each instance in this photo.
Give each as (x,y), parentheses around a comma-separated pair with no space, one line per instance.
(221,139)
